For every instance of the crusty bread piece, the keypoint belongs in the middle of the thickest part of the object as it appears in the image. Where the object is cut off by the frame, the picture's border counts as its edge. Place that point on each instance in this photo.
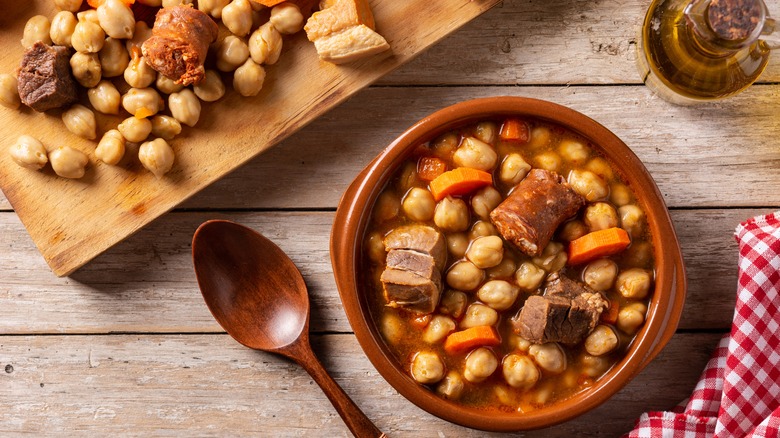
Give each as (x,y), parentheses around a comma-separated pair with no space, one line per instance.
(343,31)
(350,44)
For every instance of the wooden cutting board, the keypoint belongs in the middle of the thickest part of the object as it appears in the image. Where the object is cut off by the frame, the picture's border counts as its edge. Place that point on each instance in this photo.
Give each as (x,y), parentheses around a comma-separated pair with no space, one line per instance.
(72,221)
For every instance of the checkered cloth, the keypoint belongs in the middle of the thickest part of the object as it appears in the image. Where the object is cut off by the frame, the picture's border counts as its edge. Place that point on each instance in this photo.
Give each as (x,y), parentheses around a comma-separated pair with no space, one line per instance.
(738,394)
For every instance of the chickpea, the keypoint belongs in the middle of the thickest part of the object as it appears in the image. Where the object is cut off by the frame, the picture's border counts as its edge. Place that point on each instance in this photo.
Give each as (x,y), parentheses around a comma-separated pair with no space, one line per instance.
(588,184)
(211,89)
(513,169)
(213,7)
(540,136)
(237,17)
(156,156)
(427,367)
(231,52)
(265,44)
(375,247)
(619,194)
(520,371)
(86,69)
(80,120)
(165,127)
(172,3)
(9,91)
(117,19)
(453,303)
(185,107)
(134,129)
(634,283)
(485,200)
(62,27)
(29,152)
(601,341)
(141,33)
(36,29)
(145,102)
(68,162)
(632,219)
(486,252)
(387,206)
(166,85)
(419,205)
(451,214)
(392,328)
(505,269)
(89,15)
(498,294)
(553,257)
(549,357)
(529,276)
(639,254)
(437,329)
(594,366)
(600,216)
(407,178)
(464,275)
(482,229)
(573,151)
(287,18)
(549,160)
(445,144)
(69,5)
(486,132)
(88,36)
(573,230)
(631,317)
(519,343)
(249,78)
(111,148)
(478,314)
(457,244)
(451,387)
(480,364)
(139,74)
(475,154)
(600,167)
(600,274)
(104,97)
(114,58)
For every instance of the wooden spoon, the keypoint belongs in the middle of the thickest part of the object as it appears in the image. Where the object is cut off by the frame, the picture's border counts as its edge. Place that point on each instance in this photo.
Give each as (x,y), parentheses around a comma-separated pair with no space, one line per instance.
(257,294)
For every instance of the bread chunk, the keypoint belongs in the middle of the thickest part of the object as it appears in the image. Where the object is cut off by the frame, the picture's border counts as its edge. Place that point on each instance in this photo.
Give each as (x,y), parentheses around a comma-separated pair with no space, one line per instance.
(343,31)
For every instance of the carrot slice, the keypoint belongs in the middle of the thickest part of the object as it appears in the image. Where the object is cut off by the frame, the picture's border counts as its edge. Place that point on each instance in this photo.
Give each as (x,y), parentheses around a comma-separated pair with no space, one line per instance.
(597,244)
(429,168)
(514,130)
(610,315)
(459,182)
(473,337)
(96,3)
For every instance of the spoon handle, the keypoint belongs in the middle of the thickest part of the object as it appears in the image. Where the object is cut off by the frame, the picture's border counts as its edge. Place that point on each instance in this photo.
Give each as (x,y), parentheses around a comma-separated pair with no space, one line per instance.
(355,419)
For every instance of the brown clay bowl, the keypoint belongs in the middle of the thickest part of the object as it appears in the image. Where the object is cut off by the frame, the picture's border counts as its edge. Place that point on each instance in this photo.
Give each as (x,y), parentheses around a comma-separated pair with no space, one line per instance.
(350,224)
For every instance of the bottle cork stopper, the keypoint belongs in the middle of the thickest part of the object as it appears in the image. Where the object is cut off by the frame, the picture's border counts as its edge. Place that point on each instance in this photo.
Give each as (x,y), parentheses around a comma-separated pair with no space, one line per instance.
(734,20)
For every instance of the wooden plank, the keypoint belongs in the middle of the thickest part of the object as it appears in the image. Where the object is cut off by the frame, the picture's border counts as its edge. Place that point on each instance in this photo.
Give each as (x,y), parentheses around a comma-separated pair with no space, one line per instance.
(525,42)
(146,284)
(73,221)
(209,385)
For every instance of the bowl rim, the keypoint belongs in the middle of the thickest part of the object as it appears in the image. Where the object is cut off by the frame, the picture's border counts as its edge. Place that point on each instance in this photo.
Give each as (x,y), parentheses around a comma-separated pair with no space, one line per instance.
(352,218)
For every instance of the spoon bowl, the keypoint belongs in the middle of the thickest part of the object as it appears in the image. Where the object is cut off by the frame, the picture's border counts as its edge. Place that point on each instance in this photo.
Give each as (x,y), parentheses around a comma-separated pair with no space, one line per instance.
(257,294)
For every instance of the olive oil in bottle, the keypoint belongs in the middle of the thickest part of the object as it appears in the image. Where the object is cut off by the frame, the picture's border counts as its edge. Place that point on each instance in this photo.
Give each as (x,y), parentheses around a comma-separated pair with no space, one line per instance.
(700,50)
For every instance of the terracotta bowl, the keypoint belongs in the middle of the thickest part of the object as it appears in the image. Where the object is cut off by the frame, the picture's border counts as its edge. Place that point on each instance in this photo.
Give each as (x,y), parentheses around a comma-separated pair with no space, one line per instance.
(352,218)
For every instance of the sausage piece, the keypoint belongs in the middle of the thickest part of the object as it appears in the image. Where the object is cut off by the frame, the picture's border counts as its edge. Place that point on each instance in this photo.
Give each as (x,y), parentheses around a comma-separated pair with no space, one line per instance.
(529,216)
(179,43)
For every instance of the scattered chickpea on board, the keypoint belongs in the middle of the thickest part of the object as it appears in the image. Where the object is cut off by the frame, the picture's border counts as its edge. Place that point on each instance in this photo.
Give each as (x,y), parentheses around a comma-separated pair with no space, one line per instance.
(125,66)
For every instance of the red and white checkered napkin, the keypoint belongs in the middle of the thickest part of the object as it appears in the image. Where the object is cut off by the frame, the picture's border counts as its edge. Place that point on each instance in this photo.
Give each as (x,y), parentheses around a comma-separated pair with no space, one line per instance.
(738,394)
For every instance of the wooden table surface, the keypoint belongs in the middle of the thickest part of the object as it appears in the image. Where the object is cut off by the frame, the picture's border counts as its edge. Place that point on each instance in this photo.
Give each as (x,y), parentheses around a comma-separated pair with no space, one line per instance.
(126,345)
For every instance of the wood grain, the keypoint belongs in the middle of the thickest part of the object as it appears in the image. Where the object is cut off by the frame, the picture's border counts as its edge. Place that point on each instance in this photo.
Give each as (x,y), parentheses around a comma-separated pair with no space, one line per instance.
(147,284)
(73,221)
(208,385)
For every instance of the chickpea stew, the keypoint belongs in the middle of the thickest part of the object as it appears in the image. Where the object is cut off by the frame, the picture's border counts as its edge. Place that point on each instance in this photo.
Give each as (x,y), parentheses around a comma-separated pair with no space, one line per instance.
(510,265)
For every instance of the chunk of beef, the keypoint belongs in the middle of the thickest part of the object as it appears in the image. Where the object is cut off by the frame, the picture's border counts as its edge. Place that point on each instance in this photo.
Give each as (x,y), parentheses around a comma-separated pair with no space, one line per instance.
(410,290)
(413,261)
(45,80)
(567,313)
(529,216)
(419,238)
